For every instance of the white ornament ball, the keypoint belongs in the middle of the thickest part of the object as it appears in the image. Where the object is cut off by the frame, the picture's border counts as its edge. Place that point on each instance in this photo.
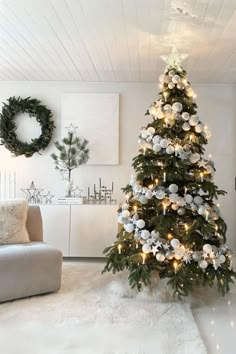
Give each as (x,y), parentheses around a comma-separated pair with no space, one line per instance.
(125,214)
(207,248)
(195,256)
(203,264)
(156,139)
(193,207)
(167,107)
(171,73)
(185,115)
(171,85)
(194,119)
(144,134)
(148,194)
(176,79)
(170,149)
(194,157)
(156,147)
(209,169)
(140,223)
(222,259)
(177,107)
(164,143)
(188,198)
(181,211)
(160,114)
(146,248)
(145,234)
(160,194)
(198,200)
(151,130)
(174,198)
(120,219)
(175,243)
(186,127)
(199,128)
(143,199)
(155,234)
(129,227)
(169,255)
(201,210)
(160,257)
(173,188)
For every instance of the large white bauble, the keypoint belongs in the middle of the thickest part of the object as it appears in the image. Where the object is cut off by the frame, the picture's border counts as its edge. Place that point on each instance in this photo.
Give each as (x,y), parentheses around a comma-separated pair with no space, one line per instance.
(160,257)
(174,198)
(167,107)
(146,248)
(171,73)
(151,130)
(156,147)
(194,207)
(185,115)
(203,264)
(195,256)
(160,114)
(194,119)
(186,127)
(144,134)
(171,85)
(180,86)
(169,255)
(222,259)
(198,200)
(156,139)
(175,243)
(199,128)
(173,188)
(175,79)
(129,227)
(162,78)
(188,198)
(143,199)
(170,149)
(160,194)
(201,210)
(207,248)
(177,107)
(186,147)
(194,157)
(145,234)
(120,219)
(175,206)
(155,234)
(140,223)
(166,202)
(164,143)
(125,213)
(148,194)
(209,169)
(181,201)
(181,211)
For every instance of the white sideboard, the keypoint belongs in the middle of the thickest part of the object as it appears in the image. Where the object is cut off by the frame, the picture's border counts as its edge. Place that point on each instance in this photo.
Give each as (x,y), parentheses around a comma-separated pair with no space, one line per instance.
(79,230)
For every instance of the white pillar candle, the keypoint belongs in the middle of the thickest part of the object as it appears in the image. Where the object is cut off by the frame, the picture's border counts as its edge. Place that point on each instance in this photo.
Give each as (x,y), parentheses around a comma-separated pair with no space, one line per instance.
(164,176)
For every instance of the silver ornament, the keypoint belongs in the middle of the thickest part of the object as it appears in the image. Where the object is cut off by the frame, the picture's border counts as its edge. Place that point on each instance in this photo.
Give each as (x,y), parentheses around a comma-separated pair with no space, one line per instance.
(188,198)
(185,115)
(164,143)
(143,199)
(151,130)
(181,211)
(160,194)
(129,227)
(186,127)
(174,198)
(177,107)
(199,128)
(173,188)
(171,73)
(156,147)
(198,200)
(167,107)
(171,85)
(160,257)
(201,210)
(145,234)
(175,79)
(156,139)
(194,119)
(175,243)
(148,194)
(146,248)
(170,149)
(140,223)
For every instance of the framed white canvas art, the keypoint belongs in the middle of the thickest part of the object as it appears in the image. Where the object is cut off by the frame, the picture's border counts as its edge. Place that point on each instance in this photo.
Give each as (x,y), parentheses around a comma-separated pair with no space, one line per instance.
(97,117)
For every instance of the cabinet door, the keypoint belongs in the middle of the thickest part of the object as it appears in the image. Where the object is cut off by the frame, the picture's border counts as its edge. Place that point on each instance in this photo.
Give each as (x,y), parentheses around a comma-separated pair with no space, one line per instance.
(93,227)
(56,226)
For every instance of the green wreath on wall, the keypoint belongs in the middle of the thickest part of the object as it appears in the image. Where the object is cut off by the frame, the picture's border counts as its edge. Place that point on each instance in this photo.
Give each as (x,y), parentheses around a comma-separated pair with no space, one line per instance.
(8,135)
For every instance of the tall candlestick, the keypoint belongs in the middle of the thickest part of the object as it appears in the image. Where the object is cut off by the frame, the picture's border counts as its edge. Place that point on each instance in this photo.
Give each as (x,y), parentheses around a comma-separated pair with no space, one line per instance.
(190,138)
(164,209)
(143,257)
(201,175)
(144,150)
(119,248)
(164,176)
(207,215)
(175,265)
(156,181)
(135,208)
(216,230)
(165,95)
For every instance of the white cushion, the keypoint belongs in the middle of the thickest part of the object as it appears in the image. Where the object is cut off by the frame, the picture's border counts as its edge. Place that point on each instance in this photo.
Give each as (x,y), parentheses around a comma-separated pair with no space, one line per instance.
(13,215)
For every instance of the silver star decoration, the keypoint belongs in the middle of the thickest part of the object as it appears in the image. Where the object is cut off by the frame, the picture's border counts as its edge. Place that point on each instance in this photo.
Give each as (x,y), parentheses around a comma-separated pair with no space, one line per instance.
(202,163)
(166,246)
(174,59)
(71,128)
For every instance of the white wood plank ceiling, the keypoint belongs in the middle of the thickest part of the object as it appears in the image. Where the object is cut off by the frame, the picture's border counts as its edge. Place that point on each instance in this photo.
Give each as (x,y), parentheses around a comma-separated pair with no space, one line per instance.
(116,40)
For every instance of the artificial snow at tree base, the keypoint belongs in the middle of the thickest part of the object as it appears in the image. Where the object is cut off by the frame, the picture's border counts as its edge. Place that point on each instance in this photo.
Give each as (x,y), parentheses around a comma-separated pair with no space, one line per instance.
(171,220)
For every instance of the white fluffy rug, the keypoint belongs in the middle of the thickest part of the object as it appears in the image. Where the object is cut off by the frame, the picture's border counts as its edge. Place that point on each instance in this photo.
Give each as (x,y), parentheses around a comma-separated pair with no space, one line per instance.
(94,314)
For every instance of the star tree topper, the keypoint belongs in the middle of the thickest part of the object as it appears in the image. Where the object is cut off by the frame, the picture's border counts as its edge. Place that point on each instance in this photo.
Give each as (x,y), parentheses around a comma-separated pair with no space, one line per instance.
(174,59)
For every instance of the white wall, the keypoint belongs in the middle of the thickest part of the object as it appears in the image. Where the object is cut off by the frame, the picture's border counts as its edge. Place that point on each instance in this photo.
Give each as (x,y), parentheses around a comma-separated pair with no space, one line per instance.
(217,109)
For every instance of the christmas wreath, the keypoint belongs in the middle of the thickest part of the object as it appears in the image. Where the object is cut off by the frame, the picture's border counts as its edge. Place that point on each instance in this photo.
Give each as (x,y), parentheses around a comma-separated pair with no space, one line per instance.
(8,135)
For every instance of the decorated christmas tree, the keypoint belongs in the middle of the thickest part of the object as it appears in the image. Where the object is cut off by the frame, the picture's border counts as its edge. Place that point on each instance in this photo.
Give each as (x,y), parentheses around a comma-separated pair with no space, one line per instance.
(170,221)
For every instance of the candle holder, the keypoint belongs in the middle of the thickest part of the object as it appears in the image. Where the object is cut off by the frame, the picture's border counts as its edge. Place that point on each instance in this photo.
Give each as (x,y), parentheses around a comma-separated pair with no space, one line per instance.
(102,194)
